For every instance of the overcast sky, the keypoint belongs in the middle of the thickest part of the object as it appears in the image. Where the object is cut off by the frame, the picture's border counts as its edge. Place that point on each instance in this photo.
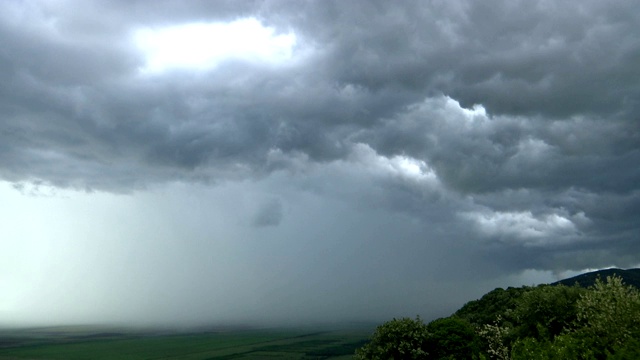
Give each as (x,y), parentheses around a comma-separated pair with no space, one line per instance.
(290,162)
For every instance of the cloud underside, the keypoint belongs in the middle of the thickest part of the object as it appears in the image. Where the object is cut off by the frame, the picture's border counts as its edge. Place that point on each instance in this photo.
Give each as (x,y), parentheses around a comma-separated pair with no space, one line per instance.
(514,123)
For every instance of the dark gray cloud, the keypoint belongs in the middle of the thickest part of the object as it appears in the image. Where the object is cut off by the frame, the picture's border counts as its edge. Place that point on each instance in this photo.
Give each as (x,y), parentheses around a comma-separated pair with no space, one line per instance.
(369,63)
(502,135)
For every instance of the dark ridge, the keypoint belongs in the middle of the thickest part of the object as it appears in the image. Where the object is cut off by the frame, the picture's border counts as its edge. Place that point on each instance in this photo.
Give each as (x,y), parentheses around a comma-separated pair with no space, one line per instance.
(629,277)
(500,301)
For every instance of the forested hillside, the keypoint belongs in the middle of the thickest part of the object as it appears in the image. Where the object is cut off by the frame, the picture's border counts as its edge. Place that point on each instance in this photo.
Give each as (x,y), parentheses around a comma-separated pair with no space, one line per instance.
(598,317)
(629,277)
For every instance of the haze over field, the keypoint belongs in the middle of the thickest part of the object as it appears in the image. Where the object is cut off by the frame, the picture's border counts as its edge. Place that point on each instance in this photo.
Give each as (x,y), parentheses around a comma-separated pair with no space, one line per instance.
(288,162)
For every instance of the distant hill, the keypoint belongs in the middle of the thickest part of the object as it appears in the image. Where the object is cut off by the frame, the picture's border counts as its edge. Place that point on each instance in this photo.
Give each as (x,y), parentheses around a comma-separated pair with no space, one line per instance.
(500,301)
(561,320)
(629,277)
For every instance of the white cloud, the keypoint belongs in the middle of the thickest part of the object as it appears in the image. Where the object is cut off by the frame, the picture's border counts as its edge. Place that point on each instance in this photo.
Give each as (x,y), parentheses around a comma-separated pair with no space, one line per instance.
(476,113)
(525,227)
(402,166)
(202,46)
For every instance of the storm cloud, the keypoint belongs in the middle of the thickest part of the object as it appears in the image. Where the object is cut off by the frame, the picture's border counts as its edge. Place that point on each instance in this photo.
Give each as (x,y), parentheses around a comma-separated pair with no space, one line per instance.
(357,162)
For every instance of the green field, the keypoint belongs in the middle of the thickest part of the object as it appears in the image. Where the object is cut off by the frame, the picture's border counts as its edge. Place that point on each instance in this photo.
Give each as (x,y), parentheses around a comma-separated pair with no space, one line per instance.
(77,344)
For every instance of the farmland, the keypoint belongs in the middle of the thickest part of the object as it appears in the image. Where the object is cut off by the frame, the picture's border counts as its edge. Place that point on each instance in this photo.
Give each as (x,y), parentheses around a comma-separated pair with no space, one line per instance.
(92,343)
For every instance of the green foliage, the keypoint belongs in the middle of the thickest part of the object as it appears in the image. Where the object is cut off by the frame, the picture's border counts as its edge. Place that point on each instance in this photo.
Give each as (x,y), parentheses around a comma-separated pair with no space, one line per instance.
(611,309)
(446,338)
(627,351)
(608,316)
(498,302)
(404,338)
(504,316)
(561,348)
(451,338)
(605,325)
(544,322)
(545,311)
(495,336)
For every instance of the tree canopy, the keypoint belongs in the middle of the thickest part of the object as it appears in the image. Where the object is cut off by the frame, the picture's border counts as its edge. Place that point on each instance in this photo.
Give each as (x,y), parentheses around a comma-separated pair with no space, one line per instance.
(543,322)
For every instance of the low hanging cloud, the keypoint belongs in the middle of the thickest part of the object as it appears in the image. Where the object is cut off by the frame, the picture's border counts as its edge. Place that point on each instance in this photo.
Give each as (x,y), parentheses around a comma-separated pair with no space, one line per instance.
(395,143)
(269,214)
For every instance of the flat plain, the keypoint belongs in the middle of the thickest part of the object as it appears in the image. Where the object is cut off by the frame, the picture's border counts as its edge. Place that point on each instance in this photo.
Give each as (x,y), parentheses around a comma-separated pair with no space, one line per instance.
(79,343)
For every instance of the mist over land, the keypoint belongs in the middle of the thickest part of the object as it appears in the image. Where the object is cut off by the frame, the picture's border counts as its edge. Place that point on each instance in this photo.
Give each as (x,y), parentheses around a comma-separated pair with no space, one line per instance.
(287,163)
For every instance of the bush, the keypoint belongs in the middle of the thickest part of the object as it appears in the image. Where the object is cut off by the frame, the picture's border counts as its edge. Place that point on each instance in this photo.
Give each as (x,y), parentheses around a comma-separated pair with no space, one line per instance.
(451,338)
(404,338)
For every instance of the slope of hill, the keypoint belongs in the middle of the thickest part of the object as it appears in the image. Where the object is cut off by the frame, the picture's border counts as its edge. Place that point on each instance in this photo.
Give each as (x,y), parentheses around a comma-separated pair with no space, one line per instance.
(500,301)
(629,277)
(561,320)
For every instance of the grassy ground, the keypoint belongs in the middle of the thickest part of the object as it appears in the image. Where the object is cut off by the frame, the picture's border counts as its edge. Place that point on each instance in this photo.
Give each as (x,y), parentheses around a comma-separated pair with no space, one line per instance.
(245,344)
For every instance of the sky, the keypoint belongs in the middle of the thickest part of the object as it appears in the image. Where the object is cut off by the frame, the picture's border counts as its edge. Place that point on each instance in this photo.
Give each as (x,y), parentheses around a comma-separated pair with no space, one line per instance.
(299,162)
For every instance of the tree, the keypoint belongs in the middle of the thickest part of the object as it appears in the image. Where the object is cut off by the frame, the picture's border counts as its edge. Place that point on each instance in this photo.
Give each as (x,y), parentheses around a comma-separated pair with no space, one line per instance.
(543,322)
(498,302)
(404,338)
(451,338)
(545,311)
(608,315)
(495,336)
(606,326)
